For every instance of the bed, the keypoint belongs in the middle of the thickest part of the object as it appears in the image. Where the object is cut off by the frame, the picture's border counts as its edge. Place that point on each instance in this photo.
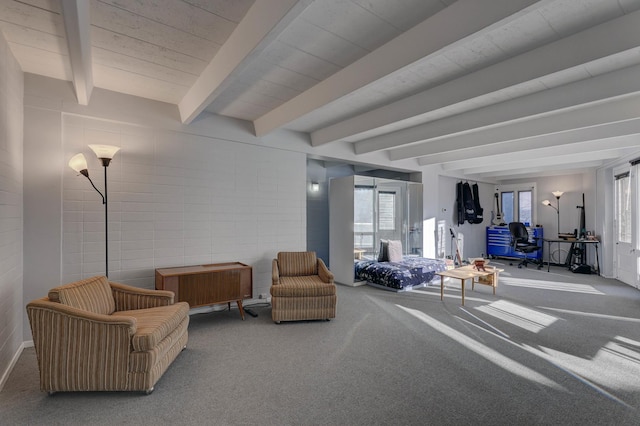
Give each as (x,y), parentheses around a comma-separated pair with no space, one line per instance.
(409,273)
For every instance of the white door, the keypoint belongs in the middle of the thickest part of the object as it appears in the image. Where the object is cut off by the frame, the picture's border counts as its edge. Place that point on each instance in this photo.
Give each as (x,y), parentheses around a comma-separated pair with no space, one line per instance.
(626,225)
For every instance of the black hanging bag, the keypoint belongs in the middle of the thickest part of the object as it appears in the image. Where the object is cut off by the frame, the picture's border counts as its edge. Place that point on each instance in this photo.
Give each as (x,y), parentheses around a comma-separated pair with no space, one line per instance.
(469,204)
(459,204)
(476,202)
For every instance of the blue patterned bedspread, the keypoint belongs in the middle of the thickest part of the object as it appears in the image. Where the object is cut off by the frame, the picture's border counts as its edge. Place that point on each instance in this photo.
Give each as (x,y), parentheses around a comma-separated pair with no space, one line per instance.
(398,275)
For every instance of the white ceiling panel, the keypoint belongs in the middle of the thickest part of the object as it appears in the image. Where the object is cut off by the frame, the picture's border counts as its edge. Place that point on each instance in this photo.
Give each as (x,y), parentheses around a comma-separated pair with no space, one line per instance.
(147,51)
(233,10)
(123,22)
(181,16)
(469,85)
(395,12)
(318,42)
(351,22)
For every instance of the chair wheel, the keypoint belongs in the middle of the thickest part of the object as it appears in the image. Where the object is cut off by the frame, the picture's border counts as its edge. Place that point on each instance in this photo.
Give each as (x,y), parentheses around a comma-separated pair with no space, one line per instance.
(519,266)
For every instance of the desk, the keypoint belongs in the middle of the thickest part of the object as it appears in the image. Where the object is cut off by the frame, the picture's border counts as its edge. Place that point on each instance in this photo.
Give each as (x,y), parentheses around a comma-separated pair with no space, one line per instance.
(573,241)
(487,277)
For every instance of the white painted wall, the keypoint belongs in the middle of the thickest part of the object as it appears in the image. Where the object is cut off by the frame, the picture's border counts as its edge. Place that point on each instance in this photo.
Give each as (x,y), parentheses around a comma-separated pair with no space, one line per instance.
(11,210)
(178,195)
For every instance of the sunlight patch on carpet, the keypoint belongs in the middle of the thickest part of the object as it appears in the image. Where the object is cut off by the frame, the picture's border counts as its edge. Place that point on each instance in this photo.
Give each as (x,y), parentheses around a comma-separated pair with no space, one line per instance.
(525,318)
(615,366)
(484,351)
(550,285)
(592,314)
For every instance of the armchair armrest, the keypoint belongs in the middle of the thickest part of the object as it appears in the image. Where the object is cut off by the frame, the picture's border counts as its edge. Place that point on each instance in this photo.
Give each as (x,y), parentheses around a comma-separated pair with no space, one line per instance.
(71,345)
(275,273)
(324,273)
(129,297)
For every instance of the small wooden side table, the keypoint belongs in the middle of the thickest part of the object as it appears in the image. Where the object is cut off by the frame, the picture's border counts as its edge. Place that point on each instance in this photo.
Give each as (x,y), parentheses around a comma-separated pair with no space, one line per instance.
(487,277)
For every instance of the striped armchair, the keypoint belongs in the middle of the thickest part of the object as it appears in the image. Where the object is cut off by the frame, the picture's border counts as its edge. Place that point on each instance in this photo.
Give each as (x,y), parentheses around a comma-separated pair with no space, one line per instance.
(96,335)
(302,288)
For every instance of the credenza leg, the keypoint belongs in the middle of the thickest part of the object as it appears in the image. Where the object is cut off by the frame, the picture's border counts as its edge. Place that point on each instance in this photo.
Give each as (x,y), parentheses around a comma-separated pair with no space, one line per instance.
(240,308)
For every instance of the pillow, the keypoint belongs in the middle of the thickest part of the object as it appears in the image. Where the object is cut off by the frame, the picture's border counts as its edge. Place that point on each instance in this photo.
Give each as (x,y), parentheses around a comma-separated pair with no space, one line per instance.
(395,251)
(383,253)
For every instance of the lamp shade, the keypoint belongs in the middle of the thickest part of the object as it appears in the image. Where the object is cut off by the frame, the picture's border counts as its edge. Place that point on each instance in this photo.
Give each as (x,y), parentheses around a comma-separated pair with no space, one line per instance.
(104,151)
(546,202)
(557,194)
(78,163)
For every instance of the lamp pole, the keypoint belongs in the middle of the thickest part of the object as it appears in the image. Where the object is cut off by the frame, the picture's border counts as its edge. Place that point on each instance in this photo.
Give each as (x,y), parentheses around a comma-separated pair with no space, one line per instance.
(556,194)
(106,221)
(78,163)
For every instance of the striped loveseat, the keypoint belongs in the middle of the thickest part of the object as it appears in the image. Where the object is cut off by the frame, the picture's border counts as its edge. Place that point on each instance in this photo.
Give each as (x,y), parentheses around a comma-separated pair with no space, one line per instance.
(302,288)
(96,335)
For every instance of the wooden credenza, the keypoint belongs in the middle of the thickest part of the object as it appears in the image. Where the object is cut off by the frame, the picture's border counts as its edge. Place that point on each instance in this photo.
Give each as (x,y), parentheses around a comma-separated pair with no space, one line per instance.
(203,285)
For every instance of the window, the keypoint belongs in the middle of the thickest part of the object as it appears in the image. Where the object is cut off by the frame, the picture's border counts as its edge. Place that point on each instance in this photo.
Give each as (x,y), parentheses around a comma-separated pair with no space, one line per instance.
(623,207)
(387,211)
(524,207)
(517,203)
(507,206)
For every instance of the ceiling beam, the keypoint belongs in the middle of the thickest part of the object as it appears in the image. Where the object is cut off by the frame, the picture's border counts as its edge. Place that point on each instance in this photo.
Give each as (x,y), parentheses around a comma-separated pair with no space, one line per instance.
(77,26)
(612,37)
(589,90)
(474,159)
(540,171)
(504,152)
(263,23)
(526,162)
(586,121)
(445,29)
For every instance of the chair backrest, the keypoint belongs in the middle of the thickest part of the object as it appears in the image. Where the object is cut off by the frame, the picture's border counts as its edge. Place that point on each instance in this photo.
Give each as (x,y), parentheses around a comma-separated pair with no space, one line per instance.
(297,263)
(92,294)
(519,232)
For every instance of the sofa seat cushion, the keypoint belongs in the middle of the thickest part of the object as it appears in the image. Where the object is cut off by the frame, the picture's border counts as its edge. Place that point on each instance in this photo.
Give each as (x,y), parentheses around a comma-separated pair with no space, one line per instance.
(302,286)
(154,324)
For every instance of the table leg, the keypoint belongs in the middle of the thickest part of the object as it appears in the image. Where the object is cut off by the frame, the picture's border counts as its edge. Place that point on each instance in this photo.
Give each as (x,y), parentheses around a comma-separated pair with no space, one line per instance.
(495,282)
(549,255)
(462,280)
(441,287)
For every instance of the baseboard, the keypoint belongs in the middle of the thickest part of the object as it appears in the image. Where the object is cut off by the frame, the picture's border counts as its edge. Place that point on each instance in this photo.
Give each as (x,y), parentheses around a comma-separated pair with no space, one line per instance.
(14,360)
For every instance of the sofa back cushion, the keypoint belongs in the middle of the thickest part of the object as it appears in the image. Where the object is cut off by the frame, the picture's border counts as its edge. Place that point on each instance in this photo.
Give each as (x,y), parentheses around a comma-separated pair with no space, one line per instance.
(294,264)
(92,294)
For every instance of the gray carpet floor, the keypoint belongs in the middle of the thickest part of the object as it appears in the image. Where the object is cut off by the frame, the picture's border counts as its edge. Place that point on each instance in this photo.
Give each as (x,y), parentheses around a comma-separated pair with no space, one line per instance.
(548,349)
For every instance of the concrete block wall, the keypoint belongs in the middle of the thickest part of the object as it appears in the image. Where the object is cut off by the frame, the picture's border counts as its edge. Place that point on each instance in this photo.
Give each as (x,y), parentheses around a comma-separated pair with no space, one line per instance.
(177,199)
(11,210)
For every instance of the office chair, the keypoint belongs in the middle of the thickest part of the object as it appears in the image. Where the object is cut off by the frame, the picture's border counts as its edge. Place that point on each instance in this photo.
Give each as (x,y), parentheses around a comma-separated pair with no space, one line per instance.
(521,243)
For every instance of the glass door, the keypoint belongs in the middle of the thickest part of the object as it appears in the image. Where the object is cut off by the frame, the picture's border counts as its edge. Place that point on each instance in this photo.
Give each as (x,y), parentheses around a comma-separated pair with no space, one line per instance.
(386,209)
(626,224)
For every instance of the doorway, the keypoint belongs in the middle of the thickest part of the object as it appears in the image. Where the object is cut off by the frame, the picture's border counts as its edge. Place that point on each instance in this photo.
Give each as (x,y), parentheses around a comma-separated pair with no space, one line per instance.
(626,212)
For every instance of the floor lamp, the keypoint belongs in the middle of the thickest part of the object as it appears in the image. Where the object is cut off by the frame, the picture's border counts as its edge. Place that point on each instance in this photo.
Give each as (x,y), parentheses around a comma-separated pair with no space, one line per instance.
(78,163)
(556,194)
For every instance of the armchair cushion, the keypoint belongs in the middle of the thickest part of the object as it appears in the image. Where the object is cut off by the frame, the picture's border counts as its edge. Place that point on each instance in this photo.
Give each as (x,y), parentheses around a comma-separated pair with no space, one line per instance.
(92,295)
(292,264)
(307,286)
